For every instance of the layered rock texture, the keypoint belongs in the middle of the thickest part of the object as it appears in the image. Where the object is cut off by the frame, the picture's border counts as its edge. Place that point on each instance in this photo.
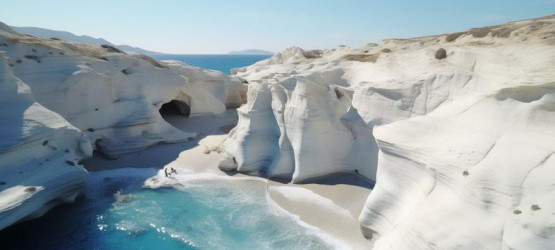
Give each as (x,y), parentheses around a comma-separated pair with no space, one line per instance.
(457,130)
(61,100)
(112,96)
(40,153)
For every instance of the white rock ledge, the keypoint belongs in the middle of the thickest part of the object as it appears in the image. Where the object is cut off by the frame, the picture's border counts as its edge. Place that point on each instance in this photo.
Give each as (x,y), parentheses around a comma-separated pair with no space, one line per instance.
(60,100)
(115,97)
(461,147)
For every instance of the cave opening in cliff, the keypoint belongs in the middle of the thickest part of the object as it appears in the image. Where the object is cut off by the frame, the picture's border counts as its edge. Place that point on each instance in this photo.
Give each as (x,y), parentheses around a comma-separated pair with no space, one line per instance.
(175,107)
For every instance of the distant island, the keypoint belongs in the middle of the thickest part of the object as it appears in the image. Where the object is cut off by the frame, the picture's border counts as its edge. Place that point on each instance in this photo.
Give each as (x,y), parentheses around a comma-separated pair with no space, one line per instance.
(251,52)
(70,37)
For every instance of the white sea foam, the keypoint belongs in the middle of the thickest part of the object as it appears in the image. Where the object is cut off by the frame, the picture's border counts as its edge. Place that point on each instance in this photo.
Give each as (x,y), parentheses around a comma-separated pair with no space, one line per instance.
(234,194)
(244,190)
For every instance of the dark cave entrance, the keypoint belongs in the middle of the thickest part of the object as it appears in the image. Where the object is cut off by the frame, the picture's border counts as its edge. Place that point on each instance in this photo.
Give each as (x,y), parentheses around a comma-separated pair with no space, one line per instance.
(175,107)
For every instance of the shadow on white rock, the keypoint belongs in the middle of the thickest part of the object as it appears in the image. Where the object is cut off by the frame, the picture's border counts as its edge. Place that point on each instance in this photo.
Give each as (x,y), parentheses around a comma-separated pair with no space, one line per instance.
(115,97)
(460,145)
(41,154)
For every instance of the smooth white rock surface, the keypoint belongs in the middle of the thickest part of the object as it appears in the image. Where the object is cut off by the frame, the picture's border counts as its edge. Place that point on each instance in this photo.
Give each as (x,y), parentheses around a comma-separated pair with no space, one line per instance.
(112,96)
(60,100)
(40,154)
(461,148)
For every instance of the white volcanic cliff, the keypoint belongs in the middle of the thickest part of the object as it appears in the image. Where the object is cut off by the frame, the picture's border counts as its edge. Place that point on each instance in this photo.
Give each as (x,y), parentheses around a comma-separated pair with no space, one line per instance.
(61,100)
(112,96)
(457,130)
(41,154)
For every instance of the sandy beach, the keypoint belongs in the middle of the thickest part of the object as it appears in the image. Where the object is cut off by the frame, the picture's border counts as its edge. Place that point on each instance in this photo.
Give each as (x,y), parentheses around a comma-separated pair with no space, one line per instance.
(332,205)
(278,125)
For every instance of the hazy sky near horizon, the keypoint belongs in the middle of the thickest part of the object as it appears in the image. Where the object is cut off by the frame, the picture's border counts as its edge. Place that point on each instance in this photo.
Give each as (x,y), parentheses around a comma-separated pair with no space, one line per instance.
(220,26)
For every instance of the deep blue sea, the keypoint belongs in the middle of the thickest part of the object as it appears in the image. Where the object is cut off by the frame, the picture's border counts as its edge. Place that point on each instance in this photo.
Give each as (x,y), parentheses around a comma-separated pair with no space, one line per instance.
(212,215)
(222,63)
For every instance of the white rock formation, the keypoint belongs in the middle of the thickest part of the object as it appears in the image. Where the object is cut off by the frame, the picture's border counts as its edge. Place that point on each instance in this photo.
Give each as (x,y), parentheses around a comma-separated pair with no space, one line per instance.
(112,96)
(57,95)
(460,144)
(253,145)
(40,154)
(294,124)
(229,91)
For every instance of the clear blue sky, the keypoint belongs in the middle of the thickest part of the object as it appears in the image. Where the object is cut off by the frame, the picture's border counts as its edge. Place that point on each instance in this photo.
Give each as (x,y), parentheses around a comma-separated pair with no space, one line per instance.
(219,26)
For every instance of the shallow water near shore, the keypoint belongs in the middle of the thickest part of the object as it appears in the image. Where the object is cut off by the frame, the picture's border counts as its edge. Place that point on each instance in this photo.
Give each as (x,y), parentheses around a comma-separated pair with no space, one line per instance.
(116,213)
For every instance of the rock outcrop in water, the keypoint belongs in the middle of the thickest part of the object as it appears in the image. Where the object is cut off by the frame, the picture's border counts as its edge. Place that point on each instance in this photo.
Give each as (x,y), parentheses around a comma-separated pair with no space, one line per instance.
(457,130)
(61,100)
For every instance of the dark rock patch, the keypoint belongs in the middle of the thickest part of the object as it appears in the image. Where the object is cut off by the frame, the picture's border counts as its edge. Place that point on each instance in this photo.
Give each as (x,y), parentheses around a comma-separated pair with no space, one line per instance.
(452,37)
(111,49)
(480,32)
(441,54)
(33,57)
(362,57)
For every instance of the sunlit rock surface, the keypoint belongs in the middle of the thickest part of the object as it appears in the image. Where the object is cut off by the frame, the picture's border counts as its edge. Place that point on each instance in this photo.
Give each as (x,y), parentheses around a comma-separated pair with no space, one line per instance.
(457,130)
(61,100)
(114,97)
(41,153)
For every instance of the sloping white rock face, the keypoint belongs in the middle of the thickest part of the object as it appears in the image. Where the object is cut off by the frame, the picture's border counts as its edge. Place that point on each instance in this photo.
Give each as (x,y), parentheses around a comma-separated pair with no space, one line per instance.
(53,93)
(114,97)
(460,144)
(470,170)
(40,154)
(285,129)
(254,140)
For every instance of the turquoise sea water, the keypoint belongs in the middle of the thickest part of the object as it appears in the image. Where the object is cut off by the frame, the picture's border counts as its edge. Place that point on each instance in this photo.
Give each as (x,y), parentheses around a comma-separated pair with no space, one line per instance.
(211,215)
(222,63)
